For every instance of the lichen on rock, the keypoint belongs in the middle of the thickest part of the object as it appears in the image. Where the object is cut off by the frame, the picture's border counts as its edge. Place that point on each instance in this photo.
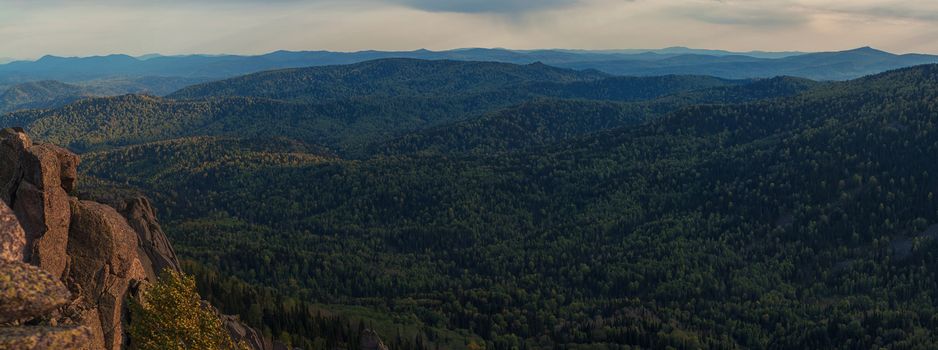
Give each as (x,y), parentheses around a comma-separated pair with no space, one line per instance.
(45,337)
(12,237)
(27,292)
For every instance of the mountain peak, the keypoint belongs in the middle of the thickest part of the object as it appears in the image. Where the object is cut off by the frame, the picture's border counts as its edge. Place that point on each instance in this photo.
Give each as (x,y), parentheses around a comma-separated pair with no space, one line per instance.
(867,50)
(148,56)
(48,58)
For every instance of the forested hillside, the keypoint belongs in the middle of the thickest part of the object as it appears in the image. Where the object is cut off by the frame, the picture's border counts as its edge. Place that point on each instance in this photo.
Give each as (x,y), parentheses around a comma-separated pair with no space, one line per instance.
(541,122)
(40,94)
(53,94)
(383,78)
(347,108)
(778,213)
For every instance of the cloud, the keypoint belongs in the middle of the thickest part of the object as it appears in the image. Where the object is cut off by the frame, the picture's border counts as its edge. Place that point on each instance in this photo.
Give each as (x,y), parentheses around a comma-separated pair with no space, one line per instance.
(753,14)
(30,29)
(913,10)
(457,6)
(486,6)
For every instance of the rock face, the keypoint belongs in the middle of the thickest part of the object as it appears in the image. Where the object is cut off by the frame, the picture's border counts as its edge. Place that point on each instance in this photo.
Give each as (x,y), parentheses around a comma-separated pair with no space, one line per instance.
(103,249)
(36,180)
(156,252)
(12,237)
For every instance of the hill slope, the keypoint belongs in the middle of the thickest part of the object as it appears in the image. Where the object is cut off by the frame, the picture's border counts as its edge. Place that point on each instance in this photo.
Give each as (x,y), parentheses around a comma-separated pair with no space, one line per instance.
(792,222)
(53,94)
(389,77)
(341,107)
(42,94)
(542,122)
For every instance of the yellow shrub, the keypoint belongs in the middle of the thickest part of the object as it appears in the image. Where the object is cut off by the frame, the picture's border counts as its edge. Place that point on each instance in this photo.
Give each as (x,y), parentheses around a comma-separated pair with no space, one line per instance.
(172,316)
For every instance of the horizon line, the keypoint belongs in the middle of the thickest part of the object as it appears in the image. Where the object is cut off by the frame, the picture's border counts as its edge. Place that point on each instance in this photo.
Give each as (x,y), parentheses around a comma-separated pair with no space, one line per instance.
(623,51)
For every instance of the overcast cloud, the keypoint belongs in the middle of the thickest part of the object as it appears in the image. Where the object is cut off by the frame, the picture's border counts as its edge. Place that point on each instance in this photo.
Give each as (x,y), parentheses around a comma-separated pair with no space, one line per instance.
(32,28)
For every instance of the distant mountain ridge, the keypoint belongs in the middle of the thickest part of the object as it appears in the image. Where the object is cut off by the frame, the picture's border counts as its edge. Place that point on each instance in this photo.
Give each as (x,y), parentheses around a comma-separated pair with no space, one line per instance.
(340,107)
(842,65)
(52,93)
(839,65)
(681,50)
(383,77)
(40,94)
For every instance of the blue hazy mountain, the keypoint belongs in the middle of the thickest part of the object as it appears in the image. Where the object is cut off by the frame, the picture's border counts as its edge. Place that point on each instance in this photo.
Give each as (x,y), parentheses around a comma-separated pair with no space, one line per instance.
(818,66)
(680,50)
(839,65)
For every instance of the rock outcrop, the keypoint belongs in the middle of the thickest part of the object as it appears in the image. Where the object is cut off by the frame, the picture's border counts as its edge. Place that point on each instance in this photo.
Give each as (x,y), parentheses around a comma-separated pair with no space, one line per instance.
(88,246)
(39,199)
(242,333)
(103,249)
(371,341)
(154,249)
(69,266)
(28,293)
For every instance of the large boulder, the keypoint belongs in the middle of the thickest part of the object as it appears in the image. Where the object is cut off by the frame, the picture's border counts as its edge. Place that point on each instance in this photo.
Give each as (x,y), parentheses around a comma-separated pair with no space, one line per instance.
(12,237)
(103,248)
(28,292)
(44,215)
(45,338)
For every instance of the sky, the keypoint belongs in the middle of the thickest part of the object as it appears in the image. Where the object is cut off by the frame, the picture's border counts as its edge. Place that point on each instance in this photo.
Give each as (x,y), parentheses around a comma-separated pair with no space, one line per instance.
(32,28)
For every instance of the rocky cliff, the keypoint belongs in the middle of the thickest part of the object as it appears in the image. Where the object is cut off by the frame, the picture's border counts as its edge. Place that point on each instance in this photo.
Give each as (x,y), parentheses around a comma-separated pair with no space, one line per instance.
(68,266)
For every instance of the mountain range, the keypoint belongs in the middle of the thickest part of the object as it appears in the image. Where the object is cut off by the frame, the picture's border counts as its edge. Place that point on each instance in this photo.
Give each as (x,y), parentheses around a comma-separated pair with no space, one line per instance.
(818,66)
(52,81)
(459,204)
(680,50)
